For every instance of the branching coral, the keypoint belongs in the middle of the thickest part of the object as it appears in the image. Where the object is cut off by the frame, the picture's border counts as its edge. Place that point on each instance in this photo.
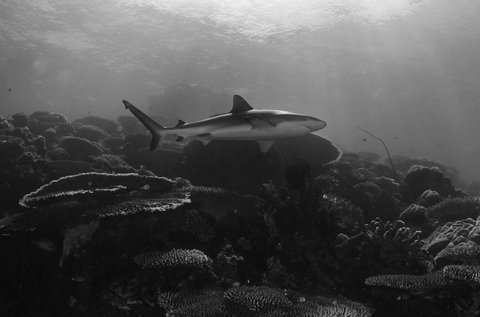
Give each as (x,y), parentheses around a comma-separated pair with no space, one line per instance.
(342,212)
(451,209)
(395,239)
(176,258)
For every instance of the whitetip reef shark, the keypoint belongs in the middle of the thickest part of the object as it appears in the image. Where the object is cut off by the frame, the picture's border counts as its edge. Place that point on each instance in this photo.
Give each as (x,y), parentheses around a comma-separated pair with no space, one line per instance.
(242,123)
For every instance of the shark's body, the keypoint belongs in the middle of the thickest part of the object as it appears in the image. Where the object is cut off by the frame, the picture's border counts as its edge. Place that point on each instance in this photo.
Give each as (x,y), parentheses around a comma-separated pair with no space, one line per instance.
(241,123)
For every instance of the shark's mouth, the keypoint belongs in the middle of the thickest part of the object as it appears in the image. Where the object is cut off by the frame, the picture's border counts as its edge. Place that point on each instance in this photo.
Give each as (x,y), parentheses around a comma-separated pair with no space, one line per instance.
(307,127)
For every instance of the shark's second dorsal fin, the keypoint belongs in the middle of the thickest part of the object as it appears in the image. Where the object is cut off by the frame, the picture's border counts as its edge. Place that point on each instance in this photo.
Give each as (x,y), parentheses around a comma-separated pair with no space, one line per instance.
(180,123)
(240,105)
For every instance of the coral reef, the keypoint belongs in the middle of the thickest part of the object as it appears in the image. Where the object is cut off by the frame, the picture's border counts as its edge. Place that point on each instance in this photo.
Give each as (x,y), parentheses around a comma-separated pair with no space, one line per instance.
(108,126)
(412,283)
(398,244)
(297,232)
(256,301)
(314,149)
(421,178)
(465,273)
(451,209)
(414,215)
(80,197)
(173,258)
(66,167)
(466,252)
(79,149)
(90,132)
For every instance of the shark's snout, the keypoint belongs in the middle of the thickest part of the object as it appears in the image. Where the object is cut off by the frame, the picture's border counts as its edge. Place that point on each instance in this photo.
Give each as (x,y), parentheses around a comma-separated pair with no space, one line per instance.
(313,123)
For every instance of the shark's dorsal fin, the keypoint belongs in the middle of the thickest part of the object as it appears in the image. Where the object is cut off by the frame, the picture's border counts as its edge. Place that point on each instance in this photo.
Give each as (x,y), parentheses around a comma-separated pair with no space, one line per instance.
(240,105)
(180,123)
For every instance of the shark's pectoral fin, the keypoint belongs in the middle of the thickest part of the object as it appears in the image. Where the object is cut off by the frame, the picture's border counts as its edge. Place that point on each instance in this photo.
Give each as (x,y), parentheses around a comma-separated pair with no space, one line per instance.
(204,141)
(264,147)
(202,138)
(257,123)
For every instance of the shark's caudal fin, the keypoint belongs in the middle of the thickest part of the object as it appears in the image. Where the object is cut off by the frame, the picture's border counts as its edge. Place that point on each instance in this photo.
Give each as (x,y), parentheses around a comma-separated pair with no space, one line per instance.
(154,128)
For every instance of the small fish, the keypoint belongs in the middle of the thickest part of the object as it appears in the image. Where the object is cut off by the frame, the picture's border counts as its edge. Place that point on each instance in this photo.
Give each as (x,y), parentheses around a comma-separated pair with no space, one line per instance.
(364,140)
(397,138)
(9,89)
(45,244)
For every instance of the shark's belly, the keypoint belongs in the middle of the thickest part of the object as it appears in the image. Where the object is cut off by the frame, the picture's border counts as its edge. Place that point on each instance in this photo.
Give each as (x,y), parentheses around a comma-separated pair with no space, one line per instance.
(249,133)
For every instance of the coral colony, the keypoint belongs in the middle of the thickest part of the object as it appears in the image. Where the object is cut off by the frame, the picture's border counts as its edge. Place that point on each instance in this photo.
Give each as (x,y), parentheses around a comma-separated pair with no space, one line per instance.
(212,230)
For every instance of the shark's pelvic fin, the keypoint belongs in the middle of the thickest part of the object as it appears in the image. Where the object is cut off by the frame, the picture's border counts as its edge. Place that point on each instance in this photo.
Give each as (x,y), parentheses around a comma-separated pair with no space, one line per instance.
(149,123)
(264,147)
(240,105)
(180,123)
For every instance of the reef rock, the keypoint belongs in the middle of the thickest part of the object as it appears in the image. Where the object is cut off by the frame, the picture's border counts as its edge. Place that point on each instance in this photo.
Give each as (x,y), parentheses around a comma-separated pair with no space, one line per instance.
(79,149)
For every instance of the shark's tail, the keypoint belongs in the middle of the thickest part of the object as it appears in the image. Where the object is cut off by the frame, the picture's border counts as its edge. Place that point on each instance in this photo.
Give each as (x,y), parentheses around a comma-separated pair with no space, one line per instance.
(154,128)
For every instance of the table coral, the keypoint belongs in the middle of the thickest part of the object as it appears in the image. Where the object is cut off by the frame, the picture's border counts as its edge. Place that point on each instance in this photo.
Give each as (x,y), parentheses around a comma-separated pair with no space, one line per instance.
(96,195)
(176,258)
(414,283)
(465,273)
(467,252)
(451,209)
(256,301)
(257,298)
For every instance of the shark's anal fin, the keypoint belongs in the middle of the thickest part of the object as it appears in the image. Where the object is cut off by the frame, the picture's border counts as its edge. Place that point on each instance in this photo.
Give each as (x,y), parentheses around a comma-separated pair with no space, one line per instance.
(264,147)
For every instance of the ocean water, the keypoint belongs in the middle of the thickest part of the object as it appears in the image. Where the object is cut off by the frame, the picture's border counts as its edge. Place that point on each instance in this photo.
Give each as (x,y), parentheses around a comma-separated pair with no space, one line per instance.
(92,227)
(406,71)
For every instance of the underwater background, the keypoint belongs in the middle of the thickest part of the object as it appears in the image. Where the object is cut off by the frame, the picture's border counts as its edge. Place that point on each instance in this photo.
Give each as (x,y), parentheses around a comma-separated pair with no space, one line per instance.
(375,215)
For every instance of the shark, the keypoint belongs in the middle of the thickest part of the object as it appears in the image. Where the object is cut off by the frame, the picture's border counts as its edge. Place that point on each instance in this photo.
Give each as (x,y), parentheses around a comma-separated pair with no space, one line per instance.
(243,122)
